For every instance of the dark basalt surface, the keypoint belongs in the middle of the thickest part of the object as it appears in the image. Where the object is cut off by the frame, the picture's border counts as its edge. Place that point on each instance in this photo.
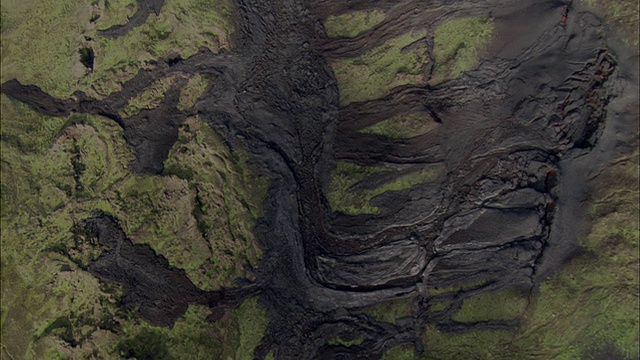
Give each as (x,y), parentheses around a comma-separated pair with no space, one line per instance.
(160,293)
(516,138)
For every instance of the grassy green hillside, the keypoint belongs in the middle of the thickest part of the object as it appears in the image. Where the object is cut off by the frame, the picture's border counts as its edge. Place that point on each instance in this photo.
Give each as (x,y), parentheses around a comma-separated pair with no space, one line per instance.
(52,58)
(370,76)
(199,214)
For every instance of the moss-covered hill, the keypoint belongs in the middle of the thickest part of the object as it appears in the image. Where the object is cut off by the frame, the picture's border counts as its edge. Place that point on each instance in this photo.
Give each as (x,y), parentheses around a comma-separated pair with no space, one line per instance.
(199,214)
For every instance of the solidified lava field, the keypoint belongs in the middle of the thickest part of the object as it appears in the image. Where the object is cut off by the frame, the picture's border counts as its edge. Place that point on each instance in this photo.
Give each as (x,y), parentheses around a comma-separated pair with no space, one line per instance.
(516,149)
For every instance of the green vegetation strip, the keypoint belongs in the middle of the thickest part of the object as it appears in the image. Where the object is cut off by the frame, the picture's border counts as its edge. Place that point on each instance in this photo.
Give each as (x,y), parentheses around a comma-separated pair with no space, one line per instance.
(339,341)
(344,198)
(341,197)
(392,310)
(252,323)
(402,126)
(195,89)
(398,62)
(435,307)
(502,305)
(457,44)
(353,24)
(473,345)
(150,98)
(400,352)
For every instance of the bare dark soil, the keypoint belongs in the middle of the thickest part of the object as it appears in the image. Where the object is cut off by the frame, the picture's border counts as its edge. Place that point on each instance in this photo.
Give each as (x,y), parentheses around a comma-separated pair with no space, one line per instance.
(518,137)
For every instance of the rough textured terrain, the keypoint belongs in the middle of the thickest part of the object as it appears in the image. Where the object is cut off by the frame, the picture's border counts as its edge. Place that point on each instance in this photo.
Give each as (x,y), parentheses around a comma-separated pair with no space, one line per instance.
(514,141)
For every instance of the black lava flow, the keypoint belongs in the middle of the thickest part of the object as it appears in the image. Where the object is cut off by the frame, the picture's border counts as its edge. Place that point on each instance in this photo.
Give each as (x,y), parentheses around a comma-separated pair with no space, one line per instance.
(513,144)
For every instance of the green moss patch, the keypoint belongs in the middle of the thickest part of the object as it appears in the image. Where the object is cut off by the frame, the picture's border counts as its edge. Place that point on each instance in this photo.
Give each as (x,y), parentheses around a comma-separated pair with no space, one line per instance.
(40,42)
(457,44)
(592,302)
(26,130)
(375,73)
(337,340)
(403,126)
(435,307)
(52,59)
(339,193)
(252,324)
(400,352)
(623,15)
(353,24)
(390,311)
(226,196)
(343,197)
(199,216)
(194,89)
(235,336)
(114,12)
(148,99)
(66,308)
(56,171)
(473,345)
(502,305)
